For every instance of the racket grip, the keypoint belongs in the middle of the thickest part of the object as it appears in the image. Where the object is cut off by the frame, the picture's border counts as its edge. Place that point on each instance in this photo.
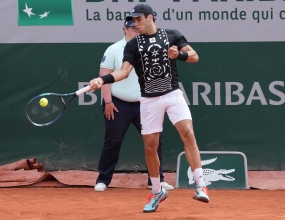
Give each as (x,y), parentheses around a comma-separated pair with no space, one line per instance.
(83,90)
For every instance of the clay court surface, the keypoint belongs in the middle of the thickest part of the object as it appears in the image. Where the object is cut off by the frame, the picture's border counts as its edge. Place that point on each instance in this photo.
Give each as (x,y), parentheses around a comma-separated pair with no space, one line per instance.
(121,203)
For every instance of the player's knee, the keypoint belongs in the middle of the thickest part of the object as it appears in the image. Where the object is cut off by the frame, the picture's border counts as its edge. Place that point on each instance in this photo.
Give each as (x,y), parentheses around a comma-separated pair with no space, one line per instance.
(188,135)
(149,149)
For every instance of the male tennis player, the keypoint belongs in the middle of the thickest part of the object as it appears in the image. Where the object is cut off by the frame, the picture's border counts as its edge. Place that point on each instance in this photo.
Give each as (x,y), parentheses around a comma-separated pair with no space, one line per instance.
(153,54)
(121,108)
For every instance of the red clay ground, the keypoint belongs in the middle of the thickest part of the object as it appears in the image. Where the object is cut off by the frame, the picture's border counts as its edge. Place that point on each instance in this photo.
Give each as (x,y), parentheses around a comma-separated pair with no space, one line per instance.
(121,203)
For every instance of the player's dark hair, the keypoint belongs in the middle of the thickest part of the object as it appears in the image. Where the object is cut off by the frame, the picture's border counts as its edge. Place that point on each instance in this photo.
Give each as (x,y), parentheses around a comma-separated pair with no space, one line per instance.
(145,15)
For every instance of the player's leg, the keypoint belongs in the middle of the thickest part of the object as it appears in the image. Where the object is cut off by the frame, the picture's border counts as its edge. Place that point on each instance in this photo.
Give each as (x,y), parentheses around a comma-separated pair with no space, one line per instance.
(163,183)
(192,154)
(159,154)
(151,156)
(137,123)
(180,116)
(152,115)
(185,130)
(158,194)
(115,131)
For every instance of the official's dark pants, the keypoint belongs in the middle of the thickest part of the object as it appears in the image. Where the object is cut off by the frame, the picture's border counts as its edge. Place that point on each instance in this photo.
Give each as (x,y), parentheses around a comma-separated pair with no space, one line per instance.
(115,130)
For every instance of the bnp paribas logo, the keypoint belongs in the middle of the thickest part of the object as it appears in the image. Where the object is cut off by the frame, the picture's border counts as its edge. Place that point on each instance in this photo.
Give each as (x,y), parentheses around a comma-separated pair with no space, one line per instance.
(45,13)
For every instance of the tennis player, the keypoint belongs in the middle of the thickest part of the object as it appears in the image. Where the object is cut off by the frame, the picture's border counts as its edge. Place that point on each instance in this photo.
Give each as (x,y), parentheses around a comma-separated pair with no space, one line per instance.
(121,107)
(153,54)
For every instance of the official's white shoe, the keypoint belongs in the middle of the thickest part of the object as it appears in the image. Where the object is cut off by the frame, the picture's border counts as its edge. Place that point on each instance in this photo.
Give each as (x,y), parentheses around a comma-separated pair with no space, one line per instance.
(100,187)
(165,186)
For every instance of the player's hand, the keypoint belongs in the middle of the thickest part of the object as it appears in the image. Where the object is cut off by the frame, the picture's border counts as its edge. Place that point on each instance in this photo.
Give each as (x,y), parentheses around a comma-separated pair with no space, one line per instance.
(173,52)
(96,83)
(109,111)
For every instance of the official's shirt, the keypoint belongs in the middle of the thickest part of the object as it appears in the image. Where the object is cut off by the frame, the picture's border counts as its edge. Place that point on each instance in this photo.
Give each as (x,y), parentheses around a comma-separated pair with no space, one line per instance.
(148,55)
(127,89)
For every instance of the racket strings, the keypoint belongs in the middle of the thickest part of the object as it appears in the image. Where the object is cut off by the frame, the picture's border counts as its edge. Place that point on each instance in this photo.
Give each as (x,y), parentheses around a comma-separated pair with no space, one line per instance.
(40,115)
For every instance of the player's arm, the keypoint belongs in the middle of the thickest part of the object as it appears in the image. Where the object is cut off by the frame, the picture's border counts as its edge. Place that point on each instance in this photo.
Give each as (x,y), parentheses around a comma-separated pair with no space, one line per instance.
(192,55)
(115,76)
(186,54)
(123,72)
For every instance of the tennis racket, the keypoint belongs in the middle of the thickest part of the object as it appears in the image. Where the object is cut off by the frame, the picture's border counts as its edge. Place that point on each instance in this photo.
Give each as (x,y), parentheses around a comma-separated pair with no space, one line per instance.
(42,115)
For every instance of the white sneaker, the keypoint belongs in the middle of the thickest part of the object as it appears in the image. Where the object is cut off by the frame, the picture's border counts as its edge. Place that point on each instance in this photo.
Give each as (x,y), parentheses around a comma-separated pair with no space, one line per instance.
(164,185)
(100,187)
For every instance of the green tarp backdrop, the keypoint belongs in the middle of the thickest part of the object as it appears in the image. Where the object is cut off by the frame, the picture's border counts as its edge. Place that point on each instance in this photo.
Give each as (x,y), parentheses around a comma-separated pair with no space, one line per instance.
(236,91)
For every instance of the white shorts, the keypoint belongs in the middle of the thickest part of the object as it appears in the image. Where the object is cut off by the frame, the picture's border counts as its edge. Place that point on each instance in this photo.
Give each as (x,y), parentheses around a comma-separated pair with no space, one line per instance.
(153,109)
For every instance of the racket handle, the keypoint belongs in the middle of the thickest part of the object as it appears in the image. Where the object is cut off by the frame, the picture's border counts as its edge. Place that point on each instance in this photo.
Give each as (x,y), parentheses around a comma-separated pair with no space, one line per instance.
(83,90)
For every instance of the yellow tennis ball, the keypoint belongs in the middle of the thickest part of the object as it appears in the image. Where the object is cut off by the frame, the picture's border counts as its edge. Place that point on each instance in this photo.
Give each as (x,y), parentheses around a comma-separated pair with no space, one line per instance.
(43,102)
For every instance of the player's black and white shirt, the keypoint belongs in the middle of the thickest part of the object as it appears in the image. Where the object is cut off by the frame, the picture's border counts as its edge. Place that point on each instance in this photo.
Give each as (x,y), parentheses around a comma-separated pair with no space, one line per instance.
(148,54)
